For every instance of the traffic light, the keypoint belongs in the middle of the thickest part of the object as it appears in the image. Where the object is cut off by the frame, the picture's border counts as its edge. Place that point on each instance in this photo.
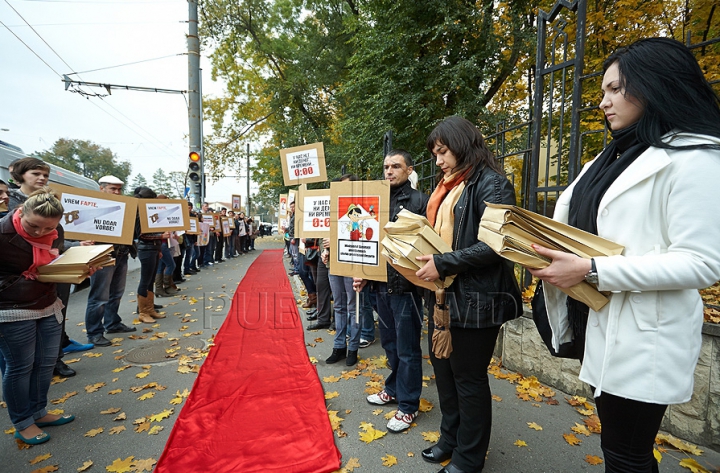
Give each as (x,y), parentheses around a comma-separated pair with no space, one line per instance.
(194,167)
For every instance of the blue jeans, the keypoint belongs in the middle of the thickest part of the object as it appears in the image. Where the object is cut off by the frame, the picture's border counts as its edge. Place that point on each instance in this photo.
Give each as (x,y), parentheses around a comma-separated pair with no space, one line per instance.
(107,287)
(167,263)
(230,247)
(400,322)
(30,349)
(209,250)
(190,257)
(366,315)
(303,271)
(148,267)
(344,305)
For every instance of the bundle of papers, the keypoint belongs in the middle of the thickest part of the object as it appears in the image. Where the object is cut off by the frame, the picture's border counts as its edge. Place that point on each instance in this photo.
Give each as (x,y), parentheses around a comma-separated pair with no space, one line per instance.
(511,231)
(408,237)
(74,265)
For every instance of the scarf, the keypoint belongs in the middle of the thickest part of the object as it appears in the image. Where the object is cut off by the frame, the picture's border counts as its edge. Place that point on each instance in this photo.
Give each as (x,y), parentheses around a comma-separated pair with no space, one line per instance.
(585,201)
(43,252)
(442,190)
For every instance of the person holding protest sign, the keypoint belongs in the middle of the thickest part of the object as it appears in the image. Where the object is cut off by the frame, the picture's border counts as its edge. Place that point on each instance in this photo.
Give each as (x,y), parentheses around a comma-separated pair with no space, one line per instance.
(107,286)
(148,247)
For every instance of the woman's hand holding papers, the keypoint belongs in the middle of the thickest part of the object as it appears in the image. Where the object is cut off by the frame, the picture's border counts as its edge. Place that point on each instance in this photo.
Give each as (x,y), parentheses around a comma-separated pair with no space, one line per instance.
(565,271)
(428,272)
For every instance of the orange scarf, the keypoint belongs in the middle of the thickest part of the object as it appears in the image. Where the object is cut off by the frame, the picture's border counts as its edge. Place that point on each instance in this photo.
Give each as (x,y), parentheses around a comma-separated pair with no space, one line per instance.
(43,252)
(441,191)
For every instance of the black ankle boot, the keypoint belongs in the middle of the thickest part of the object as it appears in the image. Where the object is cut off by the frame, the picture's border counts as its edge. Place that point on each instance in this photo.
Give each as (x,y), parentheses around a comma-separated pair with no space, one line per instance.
(351,358)
(337,355)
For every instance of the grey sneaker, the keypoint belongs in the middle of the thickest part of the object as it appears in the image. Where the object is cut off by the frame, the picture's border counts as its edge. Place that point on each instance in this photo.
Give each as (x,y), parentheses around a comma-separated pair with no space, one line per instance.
(366,343)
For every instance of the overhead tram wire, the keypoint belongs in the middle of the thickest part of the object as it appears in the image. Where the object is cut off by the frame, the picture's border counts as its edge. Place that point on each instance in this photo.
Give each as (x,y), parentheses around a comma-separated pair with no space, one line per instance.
(127,64)
(82,92)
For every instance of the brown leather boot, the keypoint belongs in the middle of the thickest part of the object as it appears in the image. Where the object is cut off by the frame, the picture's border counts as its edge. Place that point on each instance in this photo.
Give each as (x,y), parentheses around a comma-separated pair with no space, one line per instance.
(151,307)
(160,287)
(170,286)
(144,315)
(311,301)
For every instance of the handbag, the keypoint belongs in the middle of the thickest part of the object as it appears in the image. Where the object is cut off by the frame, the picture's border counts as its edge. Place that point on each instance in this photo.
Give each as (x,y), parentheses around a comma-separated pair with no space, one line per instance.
(312,253)
(573,349)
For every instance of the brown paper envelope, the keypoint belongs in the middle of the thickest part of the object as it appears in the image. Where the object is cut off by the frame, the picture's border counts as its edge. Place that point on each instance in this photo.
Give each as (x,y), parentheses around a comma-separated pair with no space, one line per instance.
(69,278)
(572,238)
(409,274)
(519,233)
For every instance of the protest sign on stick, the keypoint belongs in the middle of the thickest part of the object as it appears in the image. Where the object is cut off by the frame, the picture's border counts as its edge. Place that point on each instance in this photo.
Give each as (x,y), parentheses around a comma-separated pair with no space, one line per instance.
(303,164)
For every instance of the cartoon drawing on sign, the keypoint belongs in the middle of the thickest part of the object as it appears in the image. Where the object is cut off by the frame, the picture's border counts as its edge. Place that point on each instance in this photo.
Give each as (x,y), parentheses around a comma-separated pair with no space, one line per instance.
(358,230)
(355,214)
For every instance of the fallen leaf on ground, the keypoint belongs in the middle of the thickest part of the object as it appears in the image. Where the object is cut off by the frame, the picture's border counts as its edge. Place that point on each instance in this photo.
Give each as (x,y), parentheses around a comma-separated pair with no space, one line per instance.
(332,395)
(377,412)
(121,466)
(121,416)
(331,379)
(571,439)
(85,465)
(425,405)
(46,469)
(677,443)
(144,465)
(657,455)
(496,398)
(520,443)
(161,415)
(593,424)
(533,425)
(146,396)
(142,374)
(580,429)
(116,430)
(431,436)
(64,398)
(71,361)
(112,410)
(389,460)
(352,464)
(115,391)
(593,459)
(334,419)
(143,427)
(94,432)
(370,433)
(40,458)
(155,429)
(93,355)
(122,368)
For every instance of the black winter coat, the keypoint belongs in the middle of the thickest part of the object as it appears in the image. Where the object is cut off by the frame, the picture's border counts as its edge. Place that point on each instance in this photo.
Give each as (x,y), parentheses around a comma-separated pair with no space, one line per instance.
(403,197)
(16,292)
(485,292)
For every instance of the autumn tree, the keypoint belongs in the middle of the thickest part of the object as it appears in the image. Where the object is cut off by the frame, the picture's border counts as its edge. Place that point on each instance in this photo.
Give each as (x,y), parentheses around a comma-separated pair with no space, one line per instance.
(85,158)
(137,181)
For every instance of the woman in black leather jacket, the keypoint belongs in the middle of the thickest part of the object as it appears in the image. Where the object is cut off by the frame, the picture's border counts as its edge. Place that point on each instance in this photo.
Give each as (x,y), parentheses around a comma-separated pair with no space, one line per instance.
(483,296)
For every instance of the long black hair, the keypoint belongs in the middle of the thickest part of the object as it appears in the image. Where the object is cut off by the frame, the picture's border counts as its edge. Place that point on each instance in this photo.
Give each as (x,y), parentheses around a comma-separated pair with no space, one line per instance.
(667,80)
(466,143)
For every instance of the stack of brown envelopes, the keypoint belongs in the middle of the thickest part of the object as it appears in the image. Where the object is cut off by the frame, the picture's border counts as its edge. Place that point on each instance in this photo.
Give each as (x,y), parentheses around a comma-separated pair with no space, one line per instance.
(408,237)
(511,231)
(74,265)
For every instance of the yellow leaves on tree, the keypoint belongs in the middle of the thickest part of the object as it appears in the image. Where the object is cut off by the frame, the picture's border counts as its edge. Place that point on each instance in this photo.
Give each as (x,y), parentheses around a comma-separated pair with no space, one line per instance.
(389,460)
(431,436)
(572,439)
(593,460)
(370,433)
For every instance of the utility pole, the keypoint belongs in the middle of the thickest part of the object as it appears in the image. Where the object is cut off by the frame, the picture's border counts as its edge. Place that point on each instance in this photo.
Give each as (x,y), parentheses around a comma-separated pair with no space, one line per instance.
(195,100)
(248,179)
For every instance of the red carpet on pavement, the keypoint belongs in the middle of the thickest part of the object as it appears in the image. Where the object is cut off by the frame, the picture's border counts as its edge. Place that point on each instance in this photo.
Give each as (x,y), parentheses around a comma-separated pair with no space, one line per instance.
(257,403)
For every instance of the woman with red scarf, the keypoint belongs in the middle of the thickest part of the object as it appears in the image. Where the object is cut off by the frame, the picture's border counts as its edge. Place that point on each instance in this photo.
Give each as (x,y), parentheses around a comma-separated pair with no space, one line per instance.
(482,297)
(30,314)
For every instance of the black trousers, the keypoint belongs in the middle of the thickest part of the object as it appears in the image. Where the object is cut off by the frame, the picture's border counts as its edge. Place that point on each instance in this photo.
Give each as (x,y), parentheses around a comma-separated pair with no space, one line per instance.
(63,292)
(322,285)
(628,433)
(465,398)
(219,248)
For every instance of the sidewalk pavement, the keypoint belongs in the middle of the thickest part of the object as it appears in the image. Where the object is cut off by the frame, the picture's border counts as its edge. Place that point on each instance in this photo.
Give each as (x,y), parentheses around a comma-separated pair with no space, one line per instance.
(146,396)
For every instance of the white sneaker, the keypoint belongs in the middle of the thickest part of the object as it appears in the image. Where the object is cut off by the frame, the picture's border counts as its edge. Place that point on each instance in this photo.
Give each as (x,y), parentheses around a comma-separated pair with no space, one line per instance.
(401,421)
(381,398)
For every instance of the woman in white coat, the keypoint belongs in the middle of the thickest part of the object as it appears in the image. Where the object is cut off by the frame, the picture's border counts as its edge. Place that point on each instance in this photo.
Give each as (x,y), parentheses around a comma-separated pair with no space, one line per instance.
(650,190)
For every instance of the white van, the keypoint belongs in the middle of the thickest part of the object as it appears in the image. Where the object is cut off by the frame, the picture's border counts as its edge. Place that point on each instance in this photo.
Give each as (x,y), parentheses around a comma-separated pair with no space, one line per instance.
(9,153)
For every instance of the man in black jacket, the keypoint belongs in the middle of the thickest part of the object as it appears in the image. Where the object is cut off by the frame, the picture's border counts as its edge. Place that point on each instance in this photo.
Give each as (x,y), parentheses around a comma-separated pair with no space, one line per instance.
(400,307)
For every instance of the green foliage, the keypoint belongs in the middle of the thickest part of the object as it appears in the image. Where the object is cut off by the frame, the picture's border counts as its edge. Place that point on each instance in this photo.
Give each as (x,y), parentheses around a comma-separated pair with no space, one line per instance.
(138,181)
(85,158)
(162,184)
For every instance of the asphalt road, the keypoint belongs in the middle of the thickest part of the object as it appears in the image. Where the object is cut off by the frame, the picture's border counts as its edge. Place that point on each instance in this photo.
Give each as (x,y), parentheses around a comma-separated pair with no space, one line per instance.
(193,316)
